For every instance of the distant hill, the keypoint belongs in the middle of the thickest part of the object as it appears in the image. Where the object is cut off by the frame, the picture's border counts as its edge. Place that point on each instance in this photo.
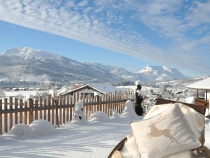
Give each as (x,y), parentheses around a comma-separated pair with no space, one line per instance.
(27,64)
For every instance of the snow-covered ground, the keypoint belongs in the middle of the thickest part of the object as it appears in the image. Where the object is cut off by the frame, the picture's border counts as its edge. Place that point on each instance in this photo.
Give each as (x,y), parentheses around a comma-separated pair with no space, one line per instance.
(92,138)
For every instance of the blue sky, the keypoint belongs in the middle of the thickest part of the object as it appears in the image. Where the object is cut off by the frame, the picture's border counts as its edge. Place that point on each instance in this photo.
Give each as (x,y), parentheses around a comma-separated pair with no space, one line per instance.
(127,33)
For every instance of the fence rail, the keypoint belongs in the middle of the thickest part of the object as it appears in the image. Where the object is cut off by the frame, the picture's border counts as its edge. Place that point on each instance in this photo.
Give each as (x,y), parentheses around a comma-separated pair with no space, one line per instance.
(58,111)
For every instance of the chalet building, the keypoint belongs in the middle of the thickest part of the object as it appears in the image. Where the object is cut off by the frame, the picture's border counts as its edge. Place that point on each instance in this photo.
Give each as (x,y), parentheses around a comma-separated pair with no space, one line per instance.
(202,85)
(93,89)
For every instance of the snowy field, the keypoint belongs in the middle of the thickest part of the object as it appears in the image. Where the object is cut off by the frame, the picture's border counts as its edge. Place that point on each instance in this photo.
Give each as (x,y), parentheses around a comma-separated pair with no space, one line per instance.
(92,138)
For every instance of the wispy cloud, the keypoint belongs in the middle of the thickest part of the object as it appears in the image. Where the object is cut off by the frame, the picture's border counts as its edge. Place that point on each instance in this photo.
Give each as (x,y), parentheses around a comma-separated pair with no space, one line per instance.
(174,33)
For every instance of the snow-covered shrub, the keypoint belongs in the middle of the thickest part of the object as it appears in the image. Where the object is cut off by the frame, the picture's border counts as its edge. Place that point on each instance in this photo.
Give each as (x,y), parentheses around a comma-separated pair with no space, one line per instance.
(42,127)
(78,116)
(22,130)
(99,116)
(79,105)
(128,110)
(115,115)
(148,103)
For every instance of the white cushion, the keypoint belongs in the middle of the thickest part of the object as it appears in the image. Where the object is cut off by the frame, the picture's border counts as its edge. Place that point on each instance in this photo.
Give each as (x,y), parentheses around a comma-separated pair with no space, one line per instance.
(185,154)
(130,149)
(164,134)
(194,118)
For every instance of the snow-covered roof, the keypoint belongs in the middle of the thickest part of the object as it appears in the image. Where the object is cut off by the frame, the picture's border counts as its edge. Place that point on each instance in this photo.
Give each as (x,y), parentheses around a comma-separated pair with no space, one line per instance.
(106,88)
(203,84)
(101,88)
(81,88)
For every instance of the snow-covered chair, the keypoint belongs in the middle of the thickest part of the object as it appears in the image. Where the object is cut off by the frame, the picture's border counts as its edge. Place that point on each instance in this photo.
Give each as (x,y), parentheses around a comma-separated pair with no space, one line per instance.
(176,125)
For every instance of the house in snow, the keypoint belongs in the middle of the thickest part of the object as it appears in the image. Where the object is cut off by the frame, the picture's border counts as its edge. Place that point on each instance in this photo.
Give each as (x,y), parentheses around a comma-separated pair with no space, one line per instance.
(93,90)
(202,85)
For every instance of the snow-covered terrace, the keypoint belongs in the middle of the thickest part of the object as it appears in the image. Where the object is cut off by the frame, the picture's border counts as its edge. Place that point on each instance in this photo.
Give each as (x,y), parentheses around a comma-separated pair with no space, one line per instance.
(201,85)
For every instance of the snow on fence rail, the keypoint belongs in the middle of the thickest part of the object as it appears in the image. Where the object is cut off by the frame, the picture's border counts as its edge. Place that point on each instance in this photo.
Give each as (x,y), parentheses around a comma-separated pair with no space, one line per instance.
(59,110)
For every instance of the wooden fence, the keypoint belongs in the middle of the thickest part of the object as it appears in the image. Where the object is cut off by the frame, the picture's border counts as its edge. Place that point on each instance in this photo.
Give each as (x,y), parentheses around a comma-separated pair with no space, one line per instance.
(58,111)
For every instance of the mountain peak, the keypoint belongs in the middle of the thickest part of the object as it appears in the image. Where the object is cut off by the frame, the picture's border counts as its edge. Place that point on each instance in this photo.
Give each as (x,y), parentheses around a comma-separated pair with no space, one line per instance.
(158,73)
(33,63)
(26,53)
(20,50)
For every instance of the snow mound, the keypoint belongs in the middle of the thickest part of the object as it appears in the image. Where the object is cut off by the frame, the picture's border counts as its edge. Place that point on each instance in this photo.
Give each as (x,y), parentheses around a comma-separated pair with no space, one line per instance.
(79,105)
(22,130)
(78,116)
(99,116)
(42,127)
(115,115)
(129,113)
(128,110)
(190,100)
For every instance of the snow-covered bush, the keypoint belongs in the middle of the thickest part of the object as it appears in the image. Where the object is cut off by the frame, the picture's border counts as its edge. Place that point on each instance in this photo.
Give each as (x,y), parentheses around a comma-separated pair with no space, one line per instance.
(148,103)
(128,110)
(115,115)
(99,116)
(22,130)
(79,105)
(42,127)
(78,116)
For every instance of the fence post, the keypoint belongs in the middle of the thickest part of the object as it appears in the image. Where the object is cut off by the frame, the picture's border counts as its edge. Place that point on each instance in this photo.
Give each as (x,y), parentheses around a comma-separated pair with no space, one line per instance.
(71,109)
(60,110)
(21,107)
(53,109)
(45,110)
(68,109)
(16,113)
(11,114)
(48,106)
(5,116)
(56,111)
(98,105)
(30,104)
(64,110)
(25,113)
(36,111)
(1,132)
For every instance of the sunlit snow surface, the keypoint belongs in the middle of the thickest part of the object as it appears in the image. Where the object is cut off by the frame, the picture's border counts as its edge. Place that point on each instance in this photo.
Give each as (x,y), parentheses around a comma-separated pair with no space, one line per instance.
(94,137)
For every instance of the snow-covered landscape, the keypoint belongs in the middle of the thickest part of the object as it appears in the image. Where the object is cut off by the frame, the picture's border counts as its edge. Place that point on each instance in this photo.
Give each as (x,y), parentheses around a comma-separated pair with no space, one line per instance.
(79,76)
(90,139)
(87,138)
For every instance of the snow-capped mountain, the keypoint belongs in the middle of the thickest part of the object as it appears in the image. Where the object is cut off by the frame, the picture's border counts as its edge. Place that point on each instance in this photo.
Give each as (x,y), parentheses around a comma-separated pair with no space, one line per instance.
(29,64)
(161,73)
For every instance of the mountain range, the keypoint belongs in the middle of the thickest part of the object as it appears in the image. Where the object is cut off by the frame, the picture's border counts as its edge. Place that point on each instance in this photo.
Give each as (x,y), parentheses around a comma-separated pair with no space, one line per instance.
(28,64)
